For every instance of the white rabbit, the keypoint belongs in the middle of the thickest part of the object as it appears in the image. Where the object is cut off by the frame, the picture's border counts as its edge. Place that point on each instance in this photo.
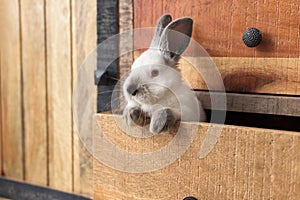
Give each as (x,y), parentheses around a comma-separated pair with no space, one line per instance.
(154,87)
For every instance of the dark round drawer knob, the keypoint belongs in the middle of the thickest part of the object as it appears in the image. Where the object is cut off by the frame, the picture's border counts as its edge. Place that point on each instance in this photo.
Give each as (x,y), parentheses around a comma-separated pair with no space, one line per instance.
(252,37)
(189,198)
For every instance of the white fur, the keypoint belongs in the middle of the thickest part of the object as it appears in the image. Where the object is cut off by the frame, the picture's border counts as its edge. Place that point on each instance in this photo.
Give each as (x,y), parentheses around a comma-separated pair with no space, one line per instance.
(167,90)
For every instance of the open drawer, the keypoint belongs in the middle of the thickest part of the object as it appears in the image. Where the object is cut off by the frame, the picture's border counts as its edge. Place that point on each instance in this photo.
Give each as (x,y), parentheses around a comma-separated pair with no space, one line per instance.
(245,163)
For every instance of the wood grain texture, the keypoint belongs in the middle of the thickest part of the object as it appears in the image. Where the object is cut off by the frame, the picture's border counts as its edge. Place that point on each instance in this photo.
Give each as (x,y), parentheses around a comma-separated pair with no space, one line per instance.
(125,44)
(252,103)
(34,87)
(84,41)
(246,163)
(219,25)
(255,75)
(59,82)
(11,91)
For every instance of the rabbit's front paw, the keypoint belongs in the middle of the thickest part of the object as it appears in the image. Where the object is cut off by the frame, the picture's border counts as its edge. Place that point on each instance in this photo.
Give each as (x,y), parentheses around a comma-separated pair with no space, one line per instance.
(162,119)
(134,116)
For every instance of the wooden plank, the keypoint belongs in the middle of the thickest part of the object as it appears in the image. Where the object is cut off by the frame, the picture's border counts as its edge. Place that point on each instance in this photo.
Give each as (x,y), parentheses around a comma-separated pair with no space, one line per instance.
(219,25)
(252,103)
(126,43)
(254,75)
(246,75)
(246,163)
(34,88)
(59,82)
(84,41)
(11,91)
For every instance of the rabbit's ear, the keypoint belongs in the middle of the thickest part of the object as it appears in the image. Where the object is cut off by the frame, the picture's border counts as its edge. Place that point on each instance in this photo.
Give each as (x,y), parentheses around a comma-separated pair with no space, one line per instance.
(175,38)
(161,24)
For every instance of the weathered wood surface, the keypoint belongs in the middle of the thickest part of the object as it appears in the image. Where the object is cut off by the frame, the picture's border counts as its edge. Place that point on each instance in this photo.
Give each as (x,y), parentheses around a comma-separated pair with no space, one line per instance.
(271,68)
(246,75)
(84,41)
(11,90)
(125,44)
(34,91)
(59,87)
(219,25)
(252,103)
(246,163)
(41,47)
(255,75)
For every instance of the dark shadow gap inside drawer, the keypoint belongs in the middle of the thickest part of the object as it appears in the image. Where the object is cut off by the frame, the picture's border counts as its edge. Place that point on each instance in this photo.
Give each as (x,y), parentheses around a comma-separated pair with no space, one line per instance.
(268,121)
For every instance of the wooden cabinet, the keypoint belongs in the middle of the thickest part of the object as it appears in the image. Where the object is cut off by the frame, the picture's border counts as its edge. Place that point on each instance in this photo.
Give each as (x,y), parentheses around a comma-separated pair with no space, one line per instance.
(246,162)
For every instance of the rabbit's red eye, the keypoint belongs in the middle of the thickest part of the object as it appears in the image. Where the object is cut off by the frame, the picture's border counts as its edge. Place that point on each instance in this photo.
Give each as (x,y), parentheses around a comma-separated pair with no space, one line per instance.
(154,73)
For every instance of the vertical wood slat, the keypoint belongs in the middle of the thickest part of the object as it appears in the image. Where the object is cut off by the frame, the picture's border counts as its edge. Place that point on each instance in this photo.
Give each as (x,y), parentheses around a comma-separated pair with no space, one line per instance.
(34,84)
(59,81)
(125,43)
(62,164)
(84,41)
(125,24)
(11,91)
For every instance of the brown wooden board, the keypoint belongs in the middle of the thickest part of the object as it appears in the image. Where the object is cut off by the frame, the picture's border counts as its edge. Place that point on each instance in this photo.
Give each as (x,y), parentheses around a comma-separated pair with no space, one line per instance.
(34,89)
(255,75)
(84,41)
(246,163)
(11,90)
(246,75)
(272,67)
(125,44)
(37,75)
(219,25)
(251,103)
(59,82)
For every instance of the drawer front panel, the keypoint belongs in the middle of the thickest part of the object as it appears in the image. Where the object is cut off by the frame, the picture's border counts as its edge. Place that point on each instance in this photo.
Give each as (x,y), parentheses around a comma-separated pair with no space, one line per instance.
(250,75)
(246,163)
(219,25)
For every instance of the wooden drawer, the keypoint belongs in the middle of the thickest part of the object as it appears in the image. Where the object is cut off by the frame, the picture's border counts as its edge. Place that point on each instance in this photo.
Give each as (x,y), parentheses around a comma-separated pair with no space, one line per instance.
(249,75)
(273,67)
(246,163)
(219,25)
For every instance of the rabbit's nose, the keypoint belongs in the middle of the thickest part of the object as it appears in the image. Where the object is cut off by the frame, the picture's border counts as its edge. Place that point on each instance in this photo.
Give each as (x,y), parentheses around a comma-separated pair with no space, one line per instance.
(132,89)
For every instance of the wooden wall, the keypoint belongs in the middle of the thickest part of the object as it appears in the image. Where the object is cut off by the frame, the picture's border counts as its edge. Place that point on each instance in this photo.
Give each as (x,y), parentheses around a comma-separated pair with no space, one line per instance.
(42,45)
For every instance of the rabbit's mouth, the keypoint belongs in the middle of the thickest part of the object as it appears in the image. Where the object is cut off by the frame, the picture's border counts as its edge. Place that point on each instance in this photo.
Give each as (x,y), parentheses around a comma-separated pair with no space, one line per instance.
(145,96)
